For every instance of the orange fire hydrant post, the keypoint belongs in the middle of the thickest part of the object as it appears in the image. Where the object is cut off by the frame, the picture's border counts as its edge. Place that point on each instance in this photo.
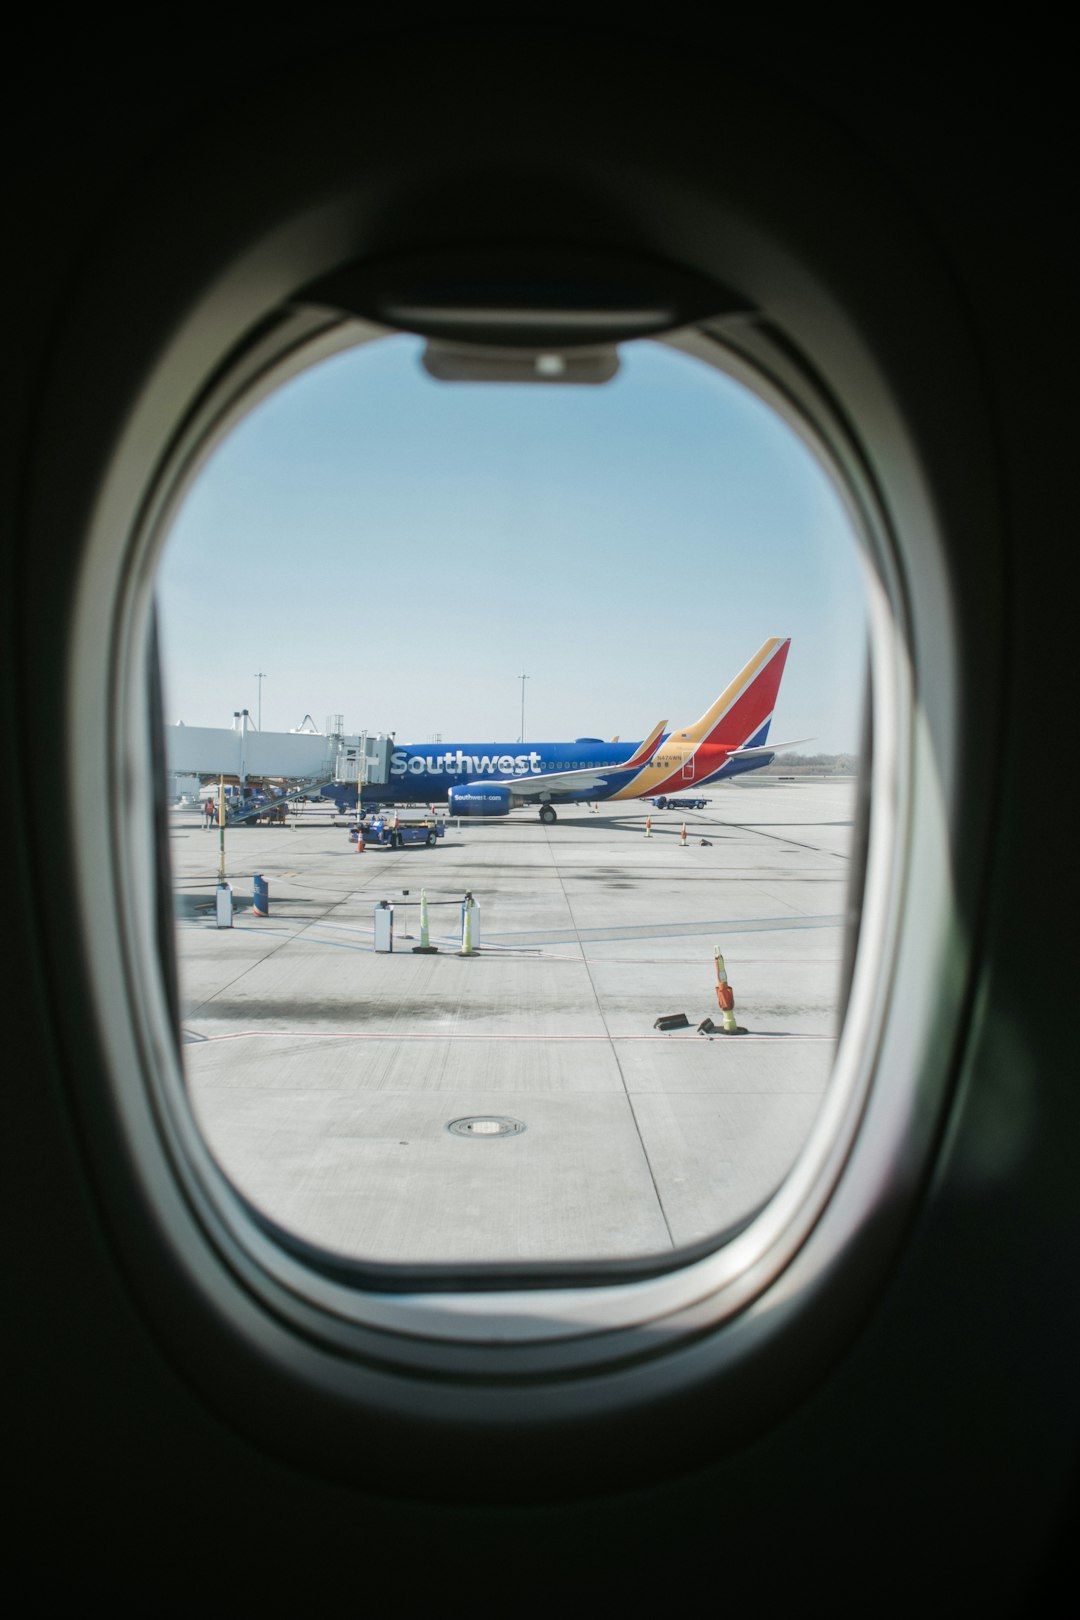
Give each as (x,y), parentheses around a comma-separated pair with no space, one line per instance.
(725,996)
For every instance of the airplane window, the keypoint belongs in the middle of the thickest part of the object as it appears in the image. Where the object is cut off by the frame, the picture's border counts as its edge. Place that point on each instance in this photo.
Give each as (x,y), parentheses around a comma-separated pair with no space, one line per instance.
(519,1028)
(500,1027)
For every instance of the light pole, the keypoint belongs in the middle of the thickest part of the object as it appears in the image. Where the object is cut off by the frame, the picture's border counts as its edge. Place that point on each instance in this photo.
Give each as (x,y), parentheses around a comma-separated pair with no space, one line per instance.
(522,679)
(260,676)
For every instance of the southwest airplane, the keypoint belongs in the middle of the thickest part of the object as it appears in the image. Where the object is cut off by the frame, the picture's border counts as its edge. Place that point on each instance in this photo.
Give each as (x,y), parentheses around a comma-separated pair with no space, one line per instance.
(491,779)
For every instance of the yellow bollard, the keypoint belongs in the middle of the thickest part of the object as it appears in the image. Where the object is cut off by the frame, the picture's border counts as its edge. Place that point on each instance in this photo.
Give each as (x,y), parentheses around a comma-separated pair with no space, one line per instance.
(221,830)
(425,947)
(467,946)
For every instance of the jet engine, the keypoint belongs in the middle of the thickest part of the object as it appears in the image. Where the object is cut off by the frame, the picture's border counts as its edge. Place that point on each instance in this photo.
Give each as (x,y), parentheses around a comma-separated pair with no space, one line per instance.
(479,799)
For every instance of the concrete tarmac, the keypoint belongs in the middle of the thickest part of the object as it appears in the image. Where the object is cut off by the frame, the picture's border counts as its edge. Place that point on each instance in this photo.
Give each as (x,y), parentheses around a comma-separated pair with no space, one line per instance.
(326,1076)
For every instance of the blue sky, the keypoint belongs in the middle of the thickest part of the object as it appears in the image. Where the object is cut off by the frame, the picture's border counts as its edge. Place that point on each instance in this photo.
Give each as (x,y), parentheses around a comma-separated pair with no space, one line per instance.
(400,551)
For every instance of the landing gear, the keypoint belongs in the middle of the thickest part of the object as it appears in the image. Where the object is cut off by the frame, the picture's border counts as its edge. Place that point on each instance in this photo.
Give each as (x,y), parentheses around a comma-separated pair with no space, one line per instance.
(547,814)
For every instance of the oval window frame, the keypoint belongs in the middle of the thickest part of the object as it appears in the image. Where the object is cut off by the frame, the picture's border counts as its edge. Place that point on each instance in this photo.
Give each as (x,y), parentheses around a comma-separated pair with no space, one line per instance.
(717,1324)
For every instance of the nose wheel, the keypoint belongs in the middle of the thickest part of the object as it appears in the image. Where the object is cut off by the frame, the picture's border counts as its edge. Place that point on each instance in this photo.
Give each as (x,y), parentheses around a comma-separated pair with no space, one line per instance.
(547,814)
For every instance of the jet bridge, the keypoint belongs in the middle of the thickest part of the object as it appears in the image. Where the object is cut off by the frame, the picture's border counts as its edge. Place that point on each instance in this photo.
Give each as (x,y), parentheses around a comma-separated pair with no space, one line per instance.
(349,761)
(365,760)
(302,758)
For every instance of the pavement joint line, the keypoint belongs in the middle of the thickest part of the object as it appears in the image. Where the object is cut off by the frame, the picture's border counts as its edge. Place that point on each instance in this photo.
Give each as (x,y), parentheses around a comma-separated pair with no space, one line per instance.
(579,936)
(591,936)
(282,936)
(298,938)
(363,936)
(673,930)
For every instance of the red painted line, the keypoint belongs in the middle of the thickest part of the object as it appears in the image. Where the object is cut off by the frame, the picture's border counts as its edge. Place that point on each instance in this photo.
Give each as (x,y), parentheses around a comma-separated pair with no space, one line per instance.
(368,1035)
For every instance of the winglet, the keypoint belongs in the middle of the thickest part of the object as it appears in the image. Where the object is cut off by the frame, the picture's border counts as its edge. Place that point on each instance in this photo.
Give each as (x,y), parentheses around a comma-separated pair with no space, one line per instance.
(646,750)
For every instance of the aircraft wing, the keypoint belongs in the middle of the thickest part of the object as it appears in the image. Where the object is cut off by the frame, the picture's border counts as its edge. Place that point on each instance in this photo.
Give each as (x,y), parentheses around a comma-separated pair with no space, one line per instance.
(593,777)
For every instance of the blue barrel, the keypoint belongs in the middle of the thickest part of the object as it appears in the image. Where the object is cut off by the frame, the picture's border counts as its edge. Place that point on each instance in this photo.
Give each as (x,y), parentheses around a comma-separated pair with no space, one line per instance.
(261,905)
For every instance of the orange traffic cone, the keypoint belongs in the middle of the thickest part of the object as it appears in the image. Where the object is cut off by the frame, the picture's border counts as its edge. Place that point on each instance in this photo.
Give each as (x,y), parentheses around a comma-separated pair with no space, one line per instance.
(359,837)
(682,836)
(648,826)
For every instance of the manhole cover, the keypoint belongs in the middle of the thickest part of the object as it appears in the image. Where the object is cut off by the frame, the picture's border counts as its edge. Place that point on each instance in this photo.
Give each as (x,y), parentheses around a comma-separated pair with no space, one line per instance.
(486,1125)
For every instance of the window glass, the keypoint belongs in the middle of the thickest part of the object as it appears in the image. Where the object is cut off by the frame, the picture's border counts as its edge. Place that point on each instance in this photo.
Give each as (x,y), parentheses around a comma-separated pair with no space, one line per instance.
(540,1067)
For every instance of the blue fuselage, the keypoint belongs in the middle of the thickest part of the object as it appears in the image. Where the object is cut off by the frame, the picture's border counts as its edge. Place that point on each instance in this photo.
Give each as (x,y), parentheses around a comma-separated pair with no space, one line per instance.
(425,773)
